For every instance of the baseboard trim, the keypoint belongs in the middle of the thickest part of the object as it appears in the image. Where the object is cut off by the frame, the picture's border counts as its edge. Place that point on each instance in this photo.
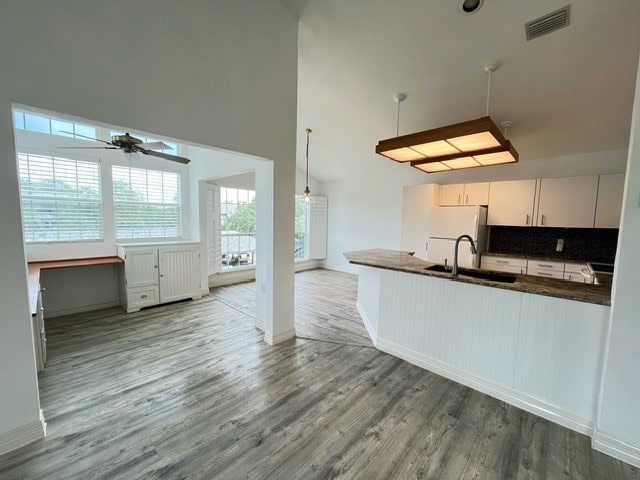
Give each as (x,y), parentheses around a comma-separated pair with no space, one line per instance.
(24,435)
(272,339)
(619,449)
(526,402)
(88,308)
(373,335)
(352,269)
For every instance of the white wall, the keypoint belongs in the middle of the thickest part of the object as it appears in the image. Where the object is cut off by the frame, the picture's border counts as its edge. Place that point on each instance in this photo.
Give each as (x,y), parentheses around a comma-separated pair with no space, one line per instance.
(366,209)
(618,426)
(212,73)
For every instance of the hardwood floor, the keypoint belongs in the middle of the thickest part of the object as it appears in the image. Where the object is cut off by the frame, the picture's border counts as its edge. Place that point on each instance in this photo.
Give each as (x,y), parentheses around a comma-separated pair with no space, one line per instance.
(325,306)
(189,390)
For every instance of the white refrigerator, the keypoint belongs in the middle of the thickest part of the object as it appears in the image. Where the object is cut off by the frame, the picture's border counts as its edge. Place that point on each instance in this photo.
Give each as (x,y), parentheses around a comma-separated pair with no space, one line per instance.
(447,224)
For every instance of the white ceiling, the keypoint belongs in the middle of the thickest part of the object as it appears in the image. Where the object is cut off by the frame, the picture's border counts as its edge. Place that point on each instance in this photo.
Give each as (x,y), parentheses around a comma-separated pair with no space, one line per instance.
(570,91)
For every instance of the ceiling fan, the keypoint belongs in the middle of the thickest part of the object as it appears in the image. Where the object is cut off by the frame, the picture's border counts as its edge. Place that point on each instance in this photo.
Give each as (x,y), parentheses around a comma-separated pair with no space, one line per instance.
(130,144)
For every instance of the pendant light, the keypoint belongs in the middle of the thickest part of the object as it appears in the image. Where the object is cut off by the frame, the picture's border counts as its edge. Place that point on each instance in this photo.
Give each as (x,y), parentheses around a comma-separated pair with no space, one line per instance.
(474,143)
(307,192)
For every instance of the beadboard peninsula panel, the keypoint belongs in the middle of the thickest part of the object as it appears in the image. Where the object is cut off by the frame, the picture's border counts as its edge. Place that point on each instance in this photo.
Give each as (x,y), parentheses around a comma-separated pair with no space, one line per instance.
(542,354)
(464,326)
(560,351)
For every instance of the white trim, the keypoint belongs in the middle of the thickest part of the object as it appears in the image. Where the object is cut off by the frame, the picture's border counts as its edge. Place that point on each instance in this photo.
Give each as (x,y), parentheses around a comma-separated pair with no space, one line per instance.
(86,308)
(23,435)
(373,335)
(352,269)
(610,445)
(281,337)
(531,404)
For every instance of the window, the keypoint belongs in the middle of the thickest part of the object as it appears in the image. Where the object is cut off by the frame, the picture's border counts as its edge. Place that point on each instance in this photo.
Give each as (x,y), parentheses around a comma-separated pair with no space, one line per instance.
(301,229)
(238,227)
(147,203)
(61,199)
(43,124)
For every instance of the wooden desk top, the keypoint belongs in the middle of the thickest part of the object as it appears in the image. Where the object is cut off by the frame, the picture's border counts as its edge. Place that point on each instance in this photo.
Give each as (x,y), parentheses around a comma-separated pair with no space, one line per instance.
(34,269)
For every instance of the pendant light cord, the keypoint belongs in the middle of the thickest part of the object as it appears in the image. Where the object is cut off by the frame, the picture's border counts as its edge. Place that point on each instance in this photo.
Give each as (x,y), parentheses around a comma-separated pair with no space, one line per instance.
(488,92)
(398,121)
(307,192)
(307,155)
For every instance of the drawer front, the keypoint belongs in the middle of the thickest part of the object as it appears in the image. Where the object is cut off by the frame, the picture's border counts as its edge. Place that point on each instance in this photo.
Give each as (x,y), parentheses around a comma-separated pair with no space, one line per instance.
(577,277)
(546,273)
(503,261)
(141,297)
(543,266)
(575,267)
(505,268)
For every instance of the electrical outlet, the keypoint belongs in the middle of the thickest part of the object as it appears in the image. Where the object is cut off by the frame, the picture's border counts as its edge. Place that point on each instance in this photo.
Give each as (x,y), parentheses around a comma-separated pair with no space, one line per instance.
(560,245)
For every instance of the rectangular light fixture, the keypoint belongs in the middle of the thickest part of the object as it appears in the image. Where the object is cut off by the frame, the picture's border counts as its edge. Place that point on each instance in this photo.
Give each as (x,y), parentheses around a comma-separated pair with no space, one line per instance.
(481,158)
(475,143)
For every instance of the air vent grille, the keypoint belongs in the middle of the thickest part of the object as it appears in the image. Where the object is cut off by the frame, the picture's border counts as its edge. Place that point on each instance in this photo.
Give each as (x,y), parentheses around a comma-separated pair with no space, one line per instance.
(548,23)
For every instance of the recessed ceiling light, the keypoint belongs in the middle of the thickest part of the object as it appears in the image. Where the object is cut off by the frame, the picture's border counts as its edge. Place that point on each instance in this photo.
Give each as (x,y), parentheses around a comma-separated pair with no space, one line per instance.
(470,6)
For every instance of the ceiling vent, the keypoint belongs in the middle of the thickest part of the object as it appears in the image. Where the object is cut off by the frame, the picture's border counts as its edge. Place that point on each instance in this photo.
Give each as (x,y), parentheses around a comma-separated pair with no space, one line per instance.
(548,23)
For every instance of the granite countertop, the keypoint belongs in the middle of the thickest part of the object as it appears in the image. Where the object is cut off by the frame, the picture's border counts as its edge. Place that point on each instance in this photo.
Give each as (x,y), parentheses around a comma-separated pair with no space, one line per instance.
(406,262)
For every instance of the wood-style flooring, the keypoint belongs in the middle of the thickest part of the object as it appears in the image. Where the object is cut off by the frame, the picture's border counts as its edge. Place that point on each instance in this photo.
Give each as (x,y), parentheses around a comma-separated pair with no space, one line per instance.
(325,307)
(190,390)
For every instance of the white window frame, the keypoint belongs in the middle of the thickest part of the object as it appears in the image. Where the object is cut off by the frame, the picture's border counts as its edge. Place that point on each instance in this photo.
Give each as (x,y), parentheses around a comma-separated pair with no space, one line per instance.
(147,164)
(101,203)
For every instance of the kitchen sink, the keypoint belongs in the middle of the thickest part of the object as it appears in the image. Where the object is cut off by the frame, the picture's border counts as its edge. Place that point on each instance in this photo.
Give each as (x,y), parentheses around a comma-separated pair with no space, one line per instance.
(479,274)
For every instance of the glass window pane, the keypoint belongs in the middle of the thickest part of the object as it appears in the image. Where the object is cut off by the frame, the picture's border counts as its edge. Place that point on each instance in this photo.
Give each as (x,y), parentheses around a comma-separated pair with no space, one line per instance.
(18,120)
(85,130)
(64,129)
(36,123)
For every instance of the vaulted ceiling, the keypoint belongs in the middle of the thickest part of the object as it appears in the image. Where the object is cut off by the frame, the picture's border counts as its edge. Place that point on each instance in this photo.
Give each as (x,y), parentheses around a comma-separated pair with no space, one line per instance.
(570,91)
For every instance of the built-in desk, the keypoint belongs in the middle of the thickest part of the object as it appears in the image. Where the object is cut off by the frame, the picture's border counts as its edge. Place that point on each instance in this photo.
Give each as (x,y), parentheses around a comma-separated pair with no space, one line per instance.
(34,269)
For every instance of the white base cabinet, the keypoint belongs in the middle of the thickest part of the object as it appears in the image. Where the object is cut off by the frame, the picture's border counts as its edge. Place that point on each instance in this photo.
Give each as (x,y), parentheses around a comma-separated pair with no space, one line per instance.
(155,274)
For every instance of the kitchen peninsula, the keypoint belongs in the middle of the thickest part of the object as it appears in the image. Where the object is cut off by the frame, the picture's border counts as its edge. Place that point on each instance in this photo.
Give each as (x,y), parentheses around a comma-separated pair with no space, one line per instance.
(535,343)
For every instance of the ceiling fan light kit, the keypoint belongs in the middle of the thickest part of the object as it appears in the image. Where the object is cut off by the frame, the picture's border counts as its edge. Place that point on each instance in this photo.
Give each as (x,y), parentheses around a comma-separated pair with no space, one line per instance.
(470,144)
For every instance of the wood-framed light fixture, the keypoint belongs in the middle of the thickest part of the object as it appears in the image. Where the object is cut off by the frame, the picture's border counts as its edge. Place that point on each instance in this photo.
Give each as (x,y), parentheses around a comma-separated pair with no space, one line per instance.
(474,143)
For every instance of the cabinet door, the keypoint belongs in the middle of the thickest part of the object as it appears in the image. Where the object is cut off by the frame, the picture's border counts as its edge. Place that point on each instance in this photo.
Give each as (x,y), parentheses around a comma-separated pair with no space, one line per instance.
(451,194)
(476,193)
(141,267)
(610,190)
(568,202)
(416,203)
(511,203)
(179,272)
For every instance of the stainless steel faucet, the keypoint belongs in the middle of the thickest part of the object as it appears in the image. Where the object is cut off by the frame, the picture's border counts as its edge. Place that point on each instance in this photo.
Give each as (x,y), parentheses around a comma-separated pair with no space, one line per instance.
(454,272)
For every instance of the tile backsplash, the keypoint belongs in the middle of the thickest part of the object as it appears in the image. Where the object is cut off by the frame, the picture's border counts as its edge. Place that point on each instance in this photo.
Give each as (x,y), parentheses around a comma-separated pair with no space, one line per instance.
(594,244)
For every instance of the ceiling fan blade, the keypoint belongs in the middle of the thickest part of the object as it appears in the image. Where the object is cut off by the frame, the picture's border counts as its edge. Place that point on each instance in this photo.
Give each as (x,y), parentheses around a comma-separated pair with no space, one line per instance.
(154,146)
(84,136)
(166,156)
(94,148)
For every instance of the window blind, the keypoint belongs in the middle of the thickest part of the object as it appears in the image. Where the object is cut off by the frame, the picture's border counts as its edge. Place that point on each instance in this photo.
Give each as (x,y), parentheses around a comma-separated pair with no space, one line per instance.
(61,199)
(147,203)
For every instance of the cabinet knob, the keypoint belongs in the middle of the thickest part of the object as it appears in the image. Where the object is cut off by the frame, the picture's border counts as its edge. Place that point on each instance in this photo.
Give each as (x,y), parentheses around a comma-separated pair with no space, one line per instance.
(527,220)
(542,220)
(43,289)
(467,201)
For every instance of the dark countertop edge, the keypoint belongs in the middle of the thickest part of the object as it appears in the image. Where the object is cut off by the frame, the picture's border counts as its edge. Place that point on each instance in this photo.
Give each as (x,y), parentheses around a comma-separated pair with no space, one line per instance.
(595,294)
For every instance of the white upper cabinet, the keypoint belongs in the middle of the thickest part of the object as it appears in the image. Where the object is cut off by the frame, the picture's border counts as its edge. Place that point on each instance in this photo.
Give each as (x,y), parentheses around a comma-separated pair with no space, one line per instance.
(567,202)
(609,206)
(451,194)
(476,193)
(464,194)
(512,203)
